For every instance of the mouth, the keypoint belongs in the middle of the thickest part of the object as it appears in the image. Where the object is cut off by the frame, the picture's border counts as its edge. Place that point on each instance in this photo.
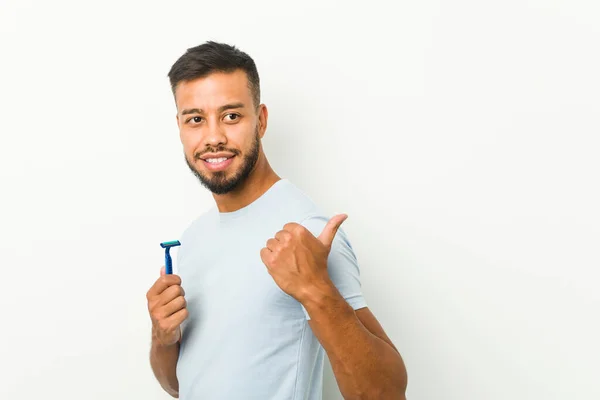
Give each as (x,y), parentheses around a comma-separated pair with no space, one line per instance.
(217,163)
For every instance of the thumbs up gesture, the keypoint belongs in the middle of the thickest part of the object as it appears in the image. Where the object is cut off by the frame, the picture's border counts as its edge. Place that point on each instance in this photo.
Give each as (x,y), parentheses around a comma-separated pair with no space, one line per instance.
(297,260)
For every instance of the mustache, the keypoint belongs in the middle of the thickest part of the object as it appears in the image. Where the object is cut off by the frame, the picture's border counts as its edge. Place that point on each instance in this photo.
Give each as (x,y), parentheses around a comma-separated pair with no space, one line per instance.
(219,149)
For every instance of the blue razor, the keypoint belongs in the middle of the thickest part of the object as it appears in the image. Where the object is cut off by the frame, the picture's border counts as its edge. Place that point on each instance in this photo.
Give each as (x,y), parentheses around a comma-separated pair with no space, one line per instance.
(168,260)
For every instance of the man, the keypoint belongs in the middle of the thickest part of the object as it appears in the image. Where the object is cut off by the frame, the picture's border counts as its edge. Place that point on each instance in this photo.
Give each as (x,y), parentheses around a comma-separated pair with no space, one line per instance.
(266,284)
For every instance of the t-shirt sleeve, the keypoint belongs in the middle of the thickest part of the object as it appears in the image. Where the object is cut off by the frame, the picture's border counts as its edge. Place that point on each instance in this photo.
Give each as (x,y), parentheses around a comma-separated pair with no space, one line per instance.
(342,264)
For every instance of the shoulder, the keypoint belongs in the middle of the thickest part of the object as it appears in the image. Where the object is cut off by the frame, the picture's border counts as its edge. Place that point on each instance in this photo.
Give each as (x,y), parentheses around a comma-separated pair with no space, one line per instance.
(290,203)
(308,214)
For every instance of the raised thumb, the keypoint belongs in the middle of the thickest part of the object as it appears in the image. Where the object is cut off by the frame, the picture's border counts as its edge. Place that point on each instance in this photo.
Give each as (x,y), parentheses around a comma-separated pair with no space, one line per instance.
(326,237)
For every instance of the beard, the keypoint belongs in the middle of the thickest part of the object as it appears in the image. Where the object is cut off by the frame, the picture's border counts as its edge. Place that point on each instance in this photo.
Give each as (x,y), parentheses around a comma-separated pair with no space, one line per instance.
(218,182)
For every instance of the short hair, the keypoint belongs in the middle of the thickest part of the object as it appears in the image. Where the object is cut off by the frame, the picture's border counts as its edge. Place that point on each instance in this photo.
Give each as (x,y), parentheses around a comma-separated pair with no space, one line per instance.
(200,61)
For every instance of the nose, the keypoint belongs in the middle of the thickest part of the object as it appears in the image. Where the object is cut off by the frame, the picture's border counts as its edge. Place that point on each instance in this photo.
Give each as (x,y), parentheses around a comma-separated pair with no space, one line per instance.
(215,135)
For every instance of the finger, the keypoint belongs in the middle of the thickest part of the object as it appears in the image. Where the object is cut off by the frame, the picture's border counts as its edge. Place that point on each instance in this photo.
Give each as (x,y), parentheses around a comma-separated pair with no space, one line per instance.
(283,236)
(162,271)
(291,227)
(328,233)
(177,318)
(173,306)
(265,255)
(173,321)
(170,294)
(162,283)
(273,244)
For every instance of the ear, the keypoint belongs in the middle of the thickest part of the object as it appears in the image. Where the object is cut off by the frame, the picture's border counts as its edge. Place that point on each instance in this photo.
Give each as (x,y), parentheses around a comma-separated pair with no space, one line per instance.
(263,116)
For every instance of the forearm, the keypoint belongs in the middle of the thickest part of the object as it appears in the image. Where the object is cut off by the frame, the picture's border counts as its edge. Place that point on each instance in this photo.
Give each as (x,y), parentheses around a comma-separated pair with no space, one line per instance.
(365,366)
(163,360)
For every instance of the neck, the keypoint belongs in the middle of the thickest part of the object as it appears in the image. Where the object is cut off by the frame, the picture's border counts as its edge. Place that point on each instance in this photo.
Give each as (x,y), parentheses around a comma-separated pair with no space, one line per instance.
(258,182)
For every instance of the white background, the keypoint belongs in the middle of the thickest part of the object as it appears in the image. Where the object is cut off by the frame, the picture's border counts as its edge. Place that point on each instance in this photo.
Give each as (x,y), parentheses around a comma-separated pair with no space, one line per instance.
(461,137)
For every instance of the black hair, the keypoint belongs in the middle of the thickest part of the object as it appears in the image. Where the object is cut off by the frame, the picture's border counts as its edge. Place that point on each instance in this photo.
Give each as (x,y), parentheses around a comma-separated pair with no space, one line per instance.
(200,61)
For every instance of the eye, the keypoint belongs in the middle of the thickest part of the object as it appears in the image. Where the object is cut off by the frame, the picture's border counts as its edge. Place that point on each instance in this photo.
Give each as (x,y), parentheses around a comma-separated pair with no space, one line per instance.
(196,120)
(233,117)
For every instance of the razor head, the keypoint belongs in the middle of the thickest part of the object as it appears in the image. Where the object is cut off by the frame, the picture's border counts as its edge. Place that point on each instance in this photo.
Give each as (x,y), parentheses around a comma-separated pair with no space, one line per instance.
(172,243)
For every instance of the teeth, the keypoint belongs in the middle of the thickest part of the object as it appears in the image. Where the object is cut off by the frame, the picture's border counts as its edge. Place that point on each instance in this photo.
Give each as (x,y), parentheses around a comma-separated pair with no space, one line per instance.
(216,160)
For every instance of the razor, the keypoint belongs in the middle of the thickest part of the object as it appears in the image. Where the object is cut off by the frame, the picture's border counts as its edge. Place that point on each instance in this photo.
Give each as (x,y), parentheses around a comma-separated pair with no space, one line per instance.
(168,261)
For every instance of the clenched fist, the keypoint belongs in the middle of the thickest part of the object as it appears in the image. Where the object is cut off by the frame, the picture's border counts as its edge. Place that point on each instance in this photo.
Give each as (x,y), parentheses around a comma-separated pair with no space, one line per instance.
(167,307)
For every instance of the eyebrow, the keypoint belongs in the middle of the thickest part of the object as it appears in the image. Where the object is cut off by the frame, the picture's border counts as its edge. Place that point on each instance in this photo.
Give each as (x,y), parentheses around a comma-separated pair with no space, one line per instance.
(221,109)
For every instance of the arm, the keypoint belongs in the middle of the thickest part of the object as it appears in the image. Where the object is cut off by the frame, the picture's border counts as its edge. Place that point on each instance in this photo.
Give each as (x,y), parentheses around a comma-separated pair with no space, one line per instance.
(163,360)
(167,308)
(365,362)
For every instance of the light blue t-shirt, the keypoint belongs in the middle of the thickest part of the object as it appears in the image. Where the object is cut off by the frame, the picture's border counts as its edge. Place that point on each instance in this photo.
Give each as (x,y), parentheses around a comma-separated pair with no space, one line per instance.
(244,337)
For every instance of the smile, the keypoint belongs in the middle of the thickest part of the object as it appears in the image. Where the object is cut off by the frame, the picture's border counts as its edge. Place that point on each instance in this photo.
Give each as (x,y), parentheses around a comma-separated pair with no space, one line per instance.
(218,164)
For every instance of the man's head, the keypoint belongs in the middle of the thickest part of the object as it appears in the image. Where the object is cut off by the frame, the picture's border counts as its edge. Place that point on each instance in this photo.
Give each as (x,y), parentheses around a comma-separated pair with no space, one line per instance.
(220,118)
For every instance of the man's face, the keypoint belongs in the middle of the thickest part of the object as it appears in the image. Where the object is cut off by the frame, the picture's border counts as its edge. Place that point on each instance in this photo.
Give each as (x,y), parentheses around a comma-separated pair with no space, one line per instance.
(219,128)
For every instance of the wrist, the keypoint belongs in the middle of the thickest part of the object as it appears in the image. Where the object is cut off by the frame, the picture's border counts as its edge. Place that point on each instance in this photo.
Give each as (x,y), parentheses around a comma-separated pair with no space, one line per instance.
(318,296)
(165,341)
(160,345)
